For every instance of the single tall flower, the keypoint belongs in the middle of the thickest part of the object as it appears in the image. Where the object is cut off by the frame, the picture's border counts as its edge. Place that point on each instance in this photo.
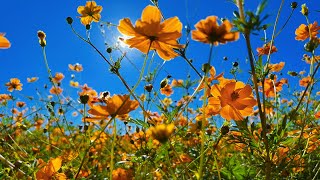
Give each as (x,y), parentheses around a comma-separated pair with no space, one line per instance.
(117,105)
(14,84)
(152,34)
(4,42)
(236,99)
(209,31)
(90,12)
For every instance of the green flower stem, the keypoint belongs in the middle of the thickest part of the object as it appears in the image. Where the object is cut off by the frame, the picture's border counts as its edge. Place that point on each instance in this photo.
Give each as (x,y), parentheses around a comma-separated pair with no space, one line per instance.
(255,83)
(114,138)
(203,138)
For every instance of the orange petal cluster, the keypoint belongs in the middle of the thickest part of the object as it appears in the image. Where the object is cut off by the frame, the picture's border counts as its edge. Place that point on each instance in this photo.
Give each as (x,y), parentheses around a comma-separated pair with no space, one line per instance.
(209,31)
(150,33)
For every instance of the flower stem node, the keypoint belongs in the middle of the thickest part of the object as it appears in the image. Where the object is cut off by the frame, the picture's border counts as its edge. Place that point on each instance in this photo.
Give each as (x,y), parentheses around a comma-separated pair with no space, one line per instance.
(69,20)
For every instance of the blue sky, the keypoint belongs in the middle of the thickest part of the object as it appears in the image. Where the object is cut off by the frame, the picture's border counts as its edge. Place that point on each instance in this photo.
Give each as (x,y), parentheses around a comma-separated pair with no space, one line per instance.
(22,19)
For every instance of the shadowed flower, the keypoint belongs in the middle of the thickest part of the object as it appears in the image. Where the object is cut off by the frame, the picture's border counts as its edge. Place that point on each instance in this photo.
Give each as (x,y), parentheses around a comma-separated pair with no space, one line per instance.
(303,33)
(161,132)
(76,67)
(152,34)
(208,31)
(276,67)
(236,99)
(90,12)
(117,105)
(4,42)
(14,84)
(265,49)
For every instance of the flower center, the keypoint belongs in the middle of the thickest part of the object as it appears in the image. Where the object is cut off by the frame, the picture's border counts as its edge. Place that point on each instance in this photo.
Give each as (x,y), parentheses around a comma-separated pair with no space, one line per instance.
(234,96)
(153,38)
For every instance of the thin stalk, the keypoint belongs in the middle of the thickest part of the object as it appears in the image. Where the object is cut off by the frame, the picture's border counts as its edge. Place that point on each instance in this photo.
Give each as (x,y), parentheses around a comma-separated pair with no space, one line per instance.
(255,83)
(204,117)
(114,138)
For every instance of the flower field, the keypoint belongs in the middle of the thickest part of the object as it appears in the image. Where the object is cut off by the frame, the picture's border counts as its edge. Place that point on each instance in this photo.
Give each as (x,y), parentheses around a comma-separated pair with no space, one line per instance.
(255,122)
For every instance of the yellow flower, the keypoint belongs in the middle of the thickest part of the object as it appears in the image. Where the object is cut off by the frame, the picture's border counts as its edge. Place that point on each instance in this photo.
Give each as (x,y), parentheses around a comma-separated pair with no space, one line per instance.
(209,31)
(90,12)
(50,170)
(236,99)
(152,34)
(14,84)
(161,132)
(117,105)
(4,42)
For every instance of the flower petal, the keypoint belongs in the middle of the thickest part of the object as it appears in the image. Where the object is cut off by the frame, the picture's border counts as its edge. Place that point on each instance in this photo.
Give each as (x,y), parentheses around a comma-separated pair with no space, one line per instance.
(151,14)
(126,28)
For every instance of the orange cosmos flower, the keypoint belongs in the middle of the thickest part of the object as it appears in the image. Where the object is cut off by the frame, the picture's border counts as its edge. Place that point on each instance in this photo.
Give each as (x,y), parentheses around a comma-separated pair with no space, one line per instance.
(309,59)
(302,32)
(117,105)
(276,67)
(167,90)
(20,104)
(56,90)
(50,170)
(5,97)
(152,34)
(265,49)
(4,42)
(305,81)
(32,79)
(76,67)
(74,84)
(209,31)
(90,12)
(317,115)
(121,174)
(236,99)
(58,78)
(14,84)
(177,83)
(272,86)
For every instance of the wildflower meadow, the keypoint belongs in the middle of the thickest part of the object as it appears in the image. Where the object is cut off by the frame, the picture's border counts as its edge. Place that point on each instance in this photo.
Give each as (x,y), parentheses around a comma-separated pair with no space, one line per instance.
(175,91)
